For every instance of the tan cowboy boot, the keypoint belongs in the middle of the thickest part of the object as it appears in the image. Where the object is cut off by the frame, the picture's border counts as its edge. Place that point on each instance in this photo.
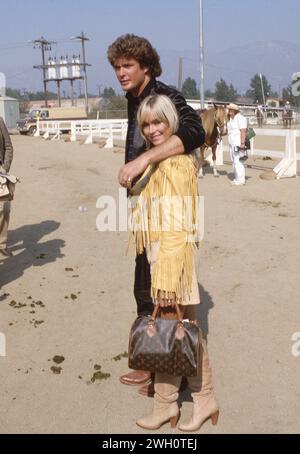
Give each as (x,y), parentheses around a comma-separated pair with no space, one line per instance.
(165,403)
(205,405)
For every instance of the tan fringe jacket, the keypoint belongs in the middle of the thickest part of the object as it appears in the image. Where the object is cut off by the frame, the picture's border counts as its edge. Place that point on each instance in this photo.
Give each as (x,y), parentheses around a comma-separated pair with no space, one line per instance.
(166,211)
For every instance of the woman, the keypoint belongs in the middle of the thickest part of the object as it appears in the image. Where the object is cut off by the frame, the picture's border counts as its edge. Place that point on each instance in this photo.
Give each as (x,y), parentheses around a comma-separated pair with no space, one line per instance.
(237,129)
(171,242)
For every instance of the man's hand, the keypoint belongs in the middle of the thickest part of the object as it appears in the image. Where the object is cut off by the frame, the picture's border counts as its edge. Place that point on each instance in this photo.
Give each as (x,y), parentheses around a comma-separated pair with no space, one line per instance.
(171,147)
(132,169)
(166,299)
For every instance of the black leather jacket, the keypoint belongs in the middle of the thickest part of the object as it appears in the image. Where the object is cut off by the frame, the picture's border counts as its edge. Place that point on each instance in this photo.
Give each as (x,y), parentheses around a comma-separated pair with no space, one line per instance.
(190,129)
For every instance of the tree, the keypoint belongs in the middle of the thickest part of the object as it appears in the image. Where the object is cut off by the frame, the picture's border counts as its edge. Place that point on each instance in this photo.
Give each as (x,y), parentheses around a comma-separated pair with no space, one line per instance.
(209,94)
(114,107)
(255,91)
(225,92)
(39,95)
(287,95)
(189,89)
(13,93)
(24,106)
(90,95)
(108,93)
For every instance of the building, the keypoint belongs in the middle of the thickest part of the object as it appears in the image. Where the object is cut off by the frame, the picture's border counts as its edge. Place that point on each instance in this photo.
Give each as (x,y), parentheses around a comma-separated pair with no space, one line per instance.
(78,102)
(9,111)
(273,102)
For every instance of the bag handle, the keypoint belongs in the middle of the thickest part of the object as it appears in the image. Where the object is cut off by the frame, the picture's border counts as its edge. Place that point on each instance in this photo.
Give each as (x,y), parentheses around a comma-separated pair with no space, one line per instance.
(157,308)
(151,330)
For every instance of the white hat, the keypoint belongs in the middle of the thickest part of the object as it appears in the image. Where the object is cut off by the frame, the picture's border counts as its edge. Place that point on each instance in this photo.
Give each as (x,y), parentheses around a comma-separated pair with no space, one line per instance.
(232,106)
(287,102)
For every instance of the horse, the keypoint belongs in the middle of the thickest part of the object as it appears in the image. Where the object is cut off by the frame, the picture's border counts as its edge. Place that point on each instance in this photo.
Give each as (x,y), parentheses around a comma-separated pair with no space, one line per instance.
(259,117)
(214,122)
(287,118)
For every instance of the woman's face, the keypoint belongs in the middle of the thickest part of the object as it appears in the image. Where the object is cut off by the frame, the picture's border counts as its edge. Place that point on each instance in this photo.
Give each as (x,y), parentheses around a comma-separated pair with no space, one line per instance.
(156,131)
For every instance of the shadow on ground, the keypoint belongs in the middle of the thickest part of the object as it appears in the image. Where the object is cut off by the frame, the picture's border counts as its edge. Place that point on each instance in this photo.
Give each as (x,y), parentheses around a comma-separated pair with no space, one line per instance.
(24,243)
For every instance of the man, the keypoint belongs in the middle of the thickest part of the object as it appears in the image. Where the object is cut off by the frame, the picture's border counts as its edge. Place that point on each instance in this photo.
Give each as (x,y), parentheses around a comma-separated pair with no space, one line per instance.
(287,115)
(137,64)
(259,114)
(237,131)
(6,156)
(287,107)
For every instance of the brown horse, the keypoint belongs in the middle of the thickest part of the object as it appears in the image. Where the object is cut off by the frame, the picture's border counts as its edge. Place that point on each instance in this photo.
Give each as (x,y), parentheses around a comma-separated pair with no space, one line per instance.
(287,116)
(259,117)
(214,122)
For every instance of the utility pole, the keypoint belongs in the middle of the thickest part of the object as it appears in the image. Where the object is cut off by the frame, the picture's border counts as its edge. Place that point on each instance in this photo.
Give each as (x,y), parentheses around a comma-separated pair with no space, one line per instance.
(180,74)
(99,86)
(83,38)
(25,95)
(44,45)
(201,56)
(72,93)
(58,93)
(262,90)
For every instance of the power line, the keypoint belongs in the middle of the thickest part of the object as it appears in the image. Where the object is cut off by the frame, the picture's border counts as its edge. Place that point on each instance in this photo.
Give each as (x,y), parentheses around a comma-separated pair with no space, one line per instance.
(83,38)
(21,46)
(44,45)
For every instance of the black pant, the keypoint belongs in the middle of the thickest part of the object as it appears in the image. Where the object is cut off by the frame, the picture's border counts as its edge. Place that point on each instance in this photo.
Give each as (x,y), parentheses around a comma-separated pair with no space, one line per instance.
(142,285)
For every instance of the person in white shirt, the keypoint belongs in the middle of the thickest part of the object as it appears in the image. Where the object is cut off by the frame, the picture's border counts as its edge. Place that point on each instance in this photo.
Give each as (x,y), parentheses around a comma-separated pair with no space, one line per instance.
(237,129)
(287,107)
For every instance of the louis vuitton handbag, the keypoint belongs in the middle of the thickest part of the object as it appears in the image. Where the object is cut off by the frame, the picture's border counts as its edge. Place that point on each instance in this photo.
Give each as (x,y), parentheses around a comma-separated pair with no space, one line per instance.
(167,346)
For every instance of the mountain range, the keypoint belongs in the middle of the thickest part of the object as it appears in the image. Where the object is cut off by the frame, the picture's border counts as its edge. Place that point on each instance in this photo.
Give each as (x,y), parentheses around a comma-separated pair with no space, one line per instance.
(277,60)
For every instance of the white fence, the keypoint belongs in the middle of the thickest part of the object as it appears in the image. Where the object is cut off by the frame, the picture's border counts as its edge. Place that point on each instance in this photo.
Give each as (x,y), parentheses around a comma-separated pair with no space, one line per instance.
(274,120)
(287,167)
(272,115)
(107,129)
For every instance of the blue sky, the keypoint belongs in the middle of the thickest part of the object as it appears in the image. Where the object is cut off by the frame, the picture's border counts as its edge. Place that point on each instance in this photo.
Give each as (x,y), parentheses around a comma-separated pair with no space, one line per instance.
(169,24)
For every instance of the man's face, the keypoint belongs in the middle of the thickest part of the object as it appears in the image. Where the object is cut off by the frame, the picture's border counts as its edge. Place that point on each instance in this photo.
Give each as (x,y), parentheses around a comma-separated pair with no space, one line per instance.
(131,76)
(231,113)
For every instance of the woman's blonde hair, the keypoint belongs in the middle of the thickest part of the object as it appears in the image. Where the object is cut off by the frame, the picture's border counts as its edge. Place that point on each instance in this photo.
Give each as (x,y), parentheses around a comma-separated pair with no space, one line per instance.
(163,109)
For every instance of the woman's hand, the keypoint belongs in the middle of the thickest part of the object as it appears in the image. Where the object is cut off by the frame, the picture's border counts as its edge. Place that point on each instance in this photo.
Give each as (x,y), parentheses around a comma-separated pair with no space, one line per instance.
(166,299)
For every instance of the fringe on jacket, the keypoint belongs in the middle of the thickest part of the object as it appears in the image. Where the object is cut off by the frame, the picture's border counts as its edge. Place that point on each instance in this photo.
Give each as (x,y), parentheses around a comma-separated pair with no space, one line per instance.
(166,211)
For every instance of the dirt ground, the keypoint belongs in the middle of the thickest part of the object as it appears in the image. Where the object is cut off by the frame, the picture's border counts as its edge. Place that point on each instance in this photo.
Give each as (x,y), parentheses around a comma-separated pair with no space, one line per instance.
(67,292)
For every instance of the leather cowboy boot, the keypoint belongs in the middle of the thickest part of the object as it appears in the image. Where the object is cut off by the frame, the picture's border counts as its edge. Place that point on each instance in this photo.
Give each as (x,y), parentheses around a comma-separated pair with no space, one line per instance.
(165,403)
(205,405)
(136,377)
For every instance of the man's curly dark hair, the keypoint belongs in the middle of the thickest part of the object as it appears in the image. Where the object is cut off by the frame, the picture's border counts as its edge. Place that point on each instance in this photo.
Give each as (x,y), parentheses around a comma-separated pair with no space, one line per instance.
(132,46)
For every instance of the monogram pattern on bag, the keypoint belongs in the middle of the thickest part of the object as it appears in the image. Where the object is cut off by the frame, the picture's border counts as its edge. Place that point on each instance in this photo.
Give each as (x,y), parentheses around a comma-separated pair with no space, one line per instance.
(163,352)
